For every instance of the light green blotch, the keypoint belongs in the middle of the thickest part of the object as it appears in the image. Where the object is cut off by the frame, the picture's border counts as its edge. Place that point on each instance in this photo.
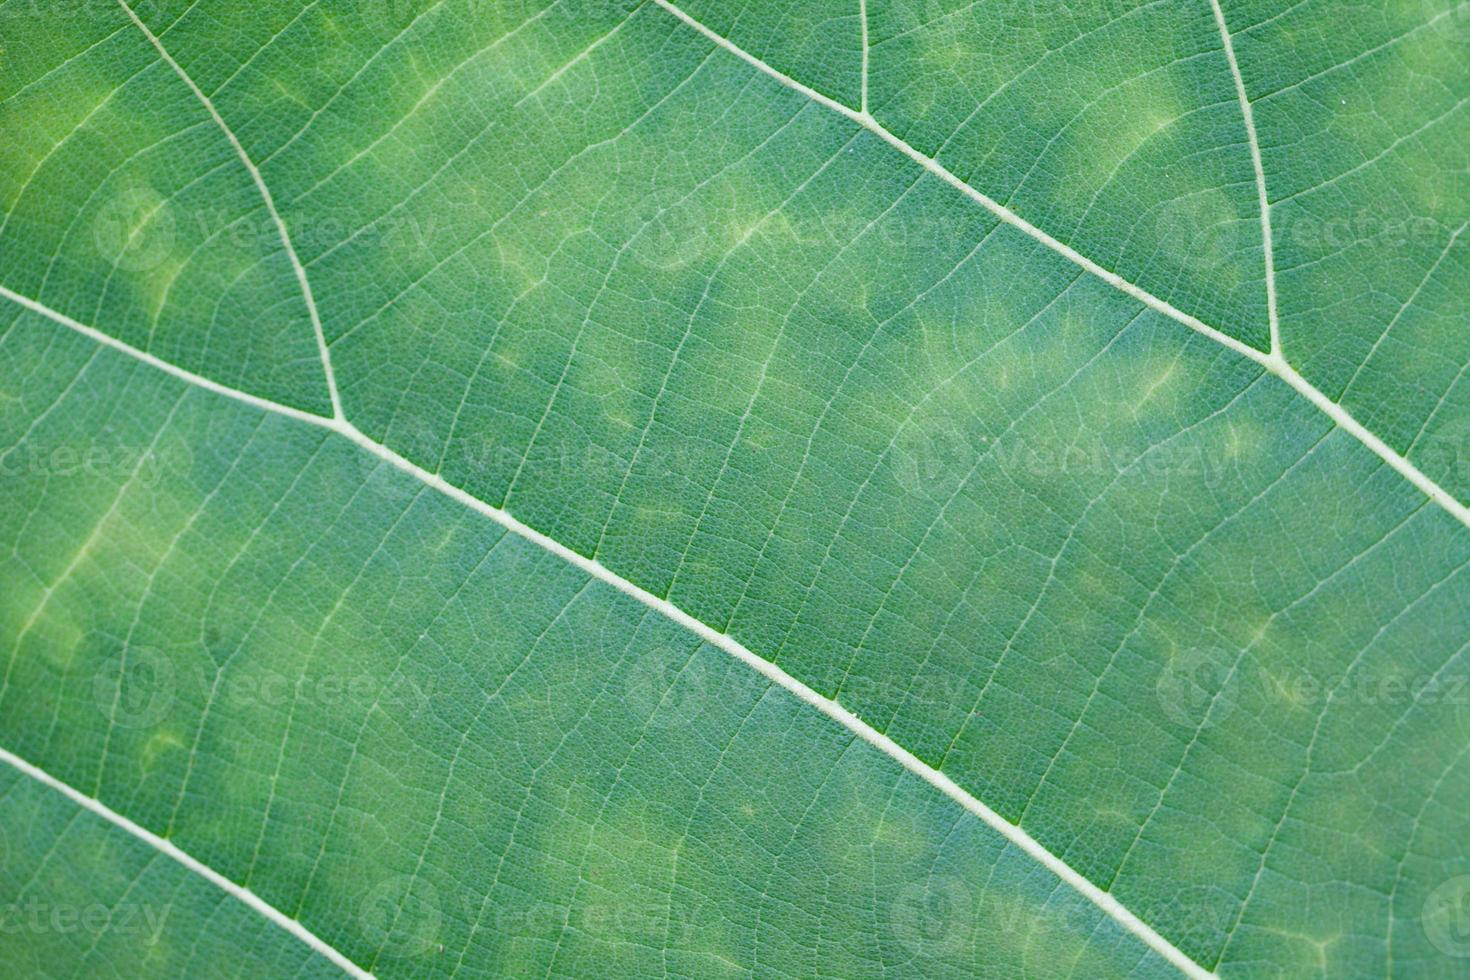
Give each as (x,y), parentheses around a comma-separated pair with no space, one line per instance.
(613,384)
(1243,437)
(275,649)
(1159,383)
(36,120)
(153,289)
(1057,347)
(1284,691)
(953,60)
(1026,928)
(51,631)
(745,310)
(1300,955)
(520,267)
(611,866)
(940,357)
(134,541)
(527,704)
(1425,186)
(775,229)
(1100,143)
(899,837)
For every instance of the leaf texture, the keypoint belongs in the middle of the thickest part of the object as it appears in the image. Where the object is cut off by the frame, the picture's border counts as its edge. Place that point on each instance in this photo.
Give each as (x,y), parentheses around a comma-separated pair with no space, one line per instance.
(612,488)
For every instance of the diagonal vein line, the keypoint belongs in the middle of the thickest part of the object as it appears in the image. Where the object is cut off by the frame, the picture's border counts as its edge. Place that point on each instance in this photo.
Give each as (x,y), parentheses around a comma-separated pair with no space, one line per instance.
(943,173)
(1012,833)
(1265,201)
(157,362)
(270,205)
(1275,361)
(167,848)
(1404,308)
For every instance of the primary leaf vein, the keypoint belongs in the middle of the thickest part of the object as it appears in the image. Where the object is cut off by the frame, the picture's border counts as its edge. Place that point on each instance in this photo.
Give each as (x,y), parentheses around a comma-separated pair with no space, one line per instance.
(722,641)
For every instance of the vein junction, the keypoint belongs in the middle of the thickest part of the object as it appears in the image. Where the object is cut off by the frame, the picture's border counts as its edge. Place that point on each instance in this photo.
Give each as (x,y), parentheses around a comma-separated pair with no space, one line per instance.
(1275,362)
(724,642)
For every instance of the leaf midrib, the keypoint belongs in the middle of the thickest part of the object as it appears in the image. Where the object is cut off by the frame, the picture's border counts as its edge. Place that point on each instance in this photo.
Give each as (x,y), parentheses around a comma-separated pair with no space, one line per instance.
(832,709)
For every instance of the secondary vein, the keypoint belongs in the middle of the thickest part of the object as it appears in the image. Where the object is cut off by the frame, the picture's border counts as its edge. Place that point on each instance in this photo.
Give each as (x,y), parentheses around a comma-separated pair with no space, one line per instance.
(270,206)
(1264,200)
(170,850)
(1274,361)
(940,781)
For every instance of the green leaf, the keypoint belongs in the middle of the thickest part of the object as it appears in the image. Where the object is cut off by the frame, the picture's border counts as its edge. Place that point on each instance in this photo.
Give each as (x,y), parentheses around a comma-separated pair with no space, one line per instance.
(600,487)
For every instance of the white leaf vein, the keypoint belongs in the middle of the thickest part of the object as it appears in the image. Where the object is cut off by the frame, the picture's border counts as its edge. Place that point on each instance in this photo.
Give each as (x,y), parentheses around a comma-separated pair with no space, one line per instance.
(940,781)
(1274,361)
(204,871)
(265,194)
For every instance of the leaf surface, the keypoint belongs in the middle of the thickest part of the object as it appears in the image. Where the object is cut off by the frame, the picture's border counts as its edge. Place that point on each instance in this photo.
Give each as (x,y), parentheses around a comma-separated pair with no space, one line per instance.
(624,488)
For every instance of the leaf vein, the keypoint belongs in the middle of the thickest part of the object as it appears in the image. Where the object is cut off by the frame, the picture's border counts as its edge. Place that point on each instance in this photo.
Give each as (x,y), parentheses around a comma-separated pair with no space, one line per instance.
(722,641)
